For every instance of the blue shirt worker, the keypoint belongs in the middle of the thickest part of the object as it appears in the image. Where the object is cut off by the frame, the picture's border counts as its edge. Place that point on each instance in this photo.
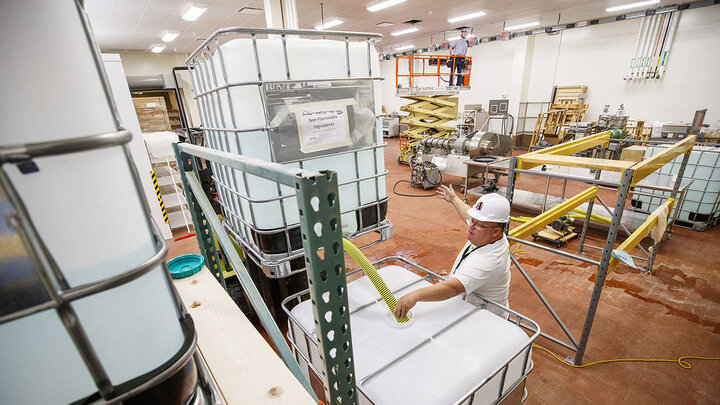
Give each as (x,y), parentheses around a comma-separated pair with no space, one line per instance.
(459,50)
(483,264)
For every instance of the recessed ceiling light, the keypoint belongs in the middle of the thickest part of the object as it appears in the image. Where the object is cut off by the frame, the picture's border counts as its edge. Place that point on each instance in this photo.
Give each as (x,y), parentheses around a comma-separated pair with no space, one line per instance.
(157,48)
(403,48)
(467,17)
(522,26)
(631,5)
(405,31)
(169,36)
(383,4)
(385,24)
(192,11)
(329,24)
(250,11)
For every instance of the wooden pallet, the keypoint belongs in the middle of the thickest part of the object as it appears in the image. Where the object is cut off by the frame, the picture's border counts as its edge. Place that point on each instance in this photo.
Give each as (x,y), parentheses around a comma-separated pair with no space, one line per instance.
(547,127)
(568,97)
(568,94)
(573,111)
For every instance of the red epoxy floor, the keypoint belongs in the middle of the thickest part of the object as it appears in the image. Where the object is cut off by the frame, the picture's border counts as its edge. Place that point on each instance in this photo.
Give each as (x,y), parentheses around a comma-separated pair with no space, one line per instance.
(674,313)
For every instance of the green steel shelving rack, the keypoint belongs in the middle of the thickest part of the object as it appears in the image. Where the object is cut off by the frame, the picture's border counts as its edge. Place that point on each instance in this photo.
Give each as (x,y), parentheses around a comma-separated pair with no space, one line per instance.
(319,212)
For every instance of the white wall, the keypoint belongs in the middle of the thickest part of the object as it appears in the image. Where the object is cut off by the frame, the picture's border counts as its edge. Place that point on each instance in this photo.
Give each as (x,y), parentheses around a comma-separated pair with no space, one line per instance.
(146,64)
(598,56)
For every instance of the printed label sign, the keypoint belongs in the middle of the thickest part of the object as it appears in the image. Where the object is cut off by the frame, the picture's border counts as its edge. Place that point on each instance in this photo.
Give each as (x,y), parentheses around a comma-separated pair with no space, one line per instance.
(296,85)
(322,125)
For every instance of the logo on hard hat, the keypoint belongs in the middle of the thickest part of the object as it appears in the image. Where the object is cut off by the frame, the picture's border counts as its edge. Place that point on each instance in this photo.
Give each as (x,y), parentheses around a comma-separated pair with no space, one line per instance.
(479,205)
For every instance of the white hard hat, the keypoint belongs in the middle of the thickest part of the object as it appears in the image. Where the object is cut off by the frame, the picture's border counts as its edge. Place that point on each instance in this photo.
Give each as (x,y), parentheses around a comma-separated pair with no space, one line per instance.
(491,208)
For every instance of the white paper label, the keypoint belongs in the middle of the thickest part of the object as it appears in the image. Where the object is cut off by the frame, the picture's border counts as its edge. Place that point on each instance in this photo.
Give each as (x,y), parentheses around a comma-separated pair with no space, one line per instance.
(296,85)
(322,125)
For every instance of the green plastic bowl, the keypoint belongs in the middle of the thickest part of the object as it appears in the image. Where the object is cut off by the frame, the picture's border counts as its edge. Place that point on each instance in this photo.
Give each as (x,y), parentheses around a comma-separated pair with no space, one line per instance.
(185,265)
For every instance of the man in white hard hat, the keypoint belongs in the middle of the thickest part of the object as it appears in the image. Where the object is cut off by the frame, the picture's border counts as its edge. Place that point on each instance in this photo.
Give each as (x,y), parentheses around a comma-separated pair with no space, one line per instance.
(483,264)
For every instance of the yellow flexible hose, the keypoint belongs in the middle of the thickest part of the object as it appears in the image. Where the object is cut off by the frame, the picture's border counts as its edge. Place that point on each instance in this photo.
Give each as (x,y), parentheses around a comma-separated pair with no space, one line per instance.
(374,277)
(596,217)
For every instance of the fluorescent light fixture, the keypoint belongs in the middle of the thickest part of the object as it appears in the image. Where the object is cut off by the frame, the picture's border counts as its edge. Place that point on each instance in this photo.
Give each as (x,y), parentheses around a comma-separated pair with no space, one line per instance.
(194,10)
(157,48)
(169,36)
(631,5)
(404,48)
(383,4)
(466,17)
(329,24)
(522,26)
(406,31)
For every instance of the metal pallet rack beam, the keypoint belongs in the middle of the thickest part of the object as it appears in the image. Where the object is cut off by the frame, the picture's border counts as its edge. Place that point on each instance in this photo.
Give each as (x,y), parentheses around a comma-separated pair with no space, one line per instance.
(631,174)
(319,212)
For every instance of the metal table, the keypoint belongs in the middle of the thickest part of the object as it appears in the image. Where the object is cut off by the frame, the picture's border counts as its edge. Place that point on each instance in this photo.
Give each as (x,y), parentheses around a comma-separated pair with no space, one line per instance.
(473,168)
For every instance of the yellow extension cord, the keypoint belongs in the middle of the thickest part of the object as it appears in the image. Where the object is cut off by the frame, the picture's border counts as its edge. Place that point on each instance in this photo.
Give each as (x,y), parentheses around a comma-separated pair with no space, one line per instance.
(680,361)
(374,277)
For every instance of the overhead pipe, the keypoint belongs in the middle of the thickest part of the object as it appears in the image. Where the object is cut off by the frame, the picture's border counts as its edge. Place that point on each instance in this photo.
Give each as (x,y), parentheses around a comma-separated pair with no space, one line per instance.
(651,46)
(658,44)
(635,50)
(668,44)
(648,47)
(661,44)
(664,34)
(655,46)
(643,45)
(638,57)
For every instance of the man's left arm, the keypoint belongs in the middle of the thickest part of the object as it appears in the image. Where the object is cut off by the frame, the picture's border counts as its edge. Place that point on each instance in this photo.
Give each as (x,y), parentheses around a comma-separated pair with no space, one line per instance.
(438,292)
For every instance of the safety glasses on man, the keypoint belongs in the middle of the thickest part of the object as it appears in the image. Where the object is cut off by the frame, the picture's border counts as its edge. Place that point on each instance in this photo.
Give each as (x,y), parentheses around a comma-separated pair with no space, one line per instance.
(478,225)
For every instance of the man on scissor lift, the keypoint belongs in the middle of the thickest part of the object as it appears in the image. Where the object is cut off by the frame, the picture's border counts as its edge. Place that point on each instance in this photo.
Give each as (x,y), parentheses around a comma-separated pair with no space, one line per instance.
(458,49)
(483,265)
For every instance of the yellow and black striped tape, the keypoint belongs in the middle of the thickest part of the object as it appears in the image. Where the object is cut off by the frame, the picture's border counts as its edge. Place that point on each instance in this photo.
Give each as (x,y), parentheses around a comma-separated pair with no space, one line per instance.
(159,196)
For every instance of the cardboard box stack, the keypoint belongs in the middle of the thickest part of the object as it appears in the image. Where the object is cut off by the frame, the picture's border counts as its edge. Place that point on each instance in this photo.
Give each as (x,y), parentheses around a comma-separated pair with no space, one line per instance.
(152,114)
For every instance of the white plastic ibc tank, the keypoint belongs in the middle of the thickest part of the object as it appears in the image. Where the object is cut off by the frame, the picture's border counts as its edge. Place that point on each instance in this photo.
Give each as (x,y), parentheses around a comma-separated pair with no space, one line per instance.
(456,360)
(86,209)
(94,226)
(308,60)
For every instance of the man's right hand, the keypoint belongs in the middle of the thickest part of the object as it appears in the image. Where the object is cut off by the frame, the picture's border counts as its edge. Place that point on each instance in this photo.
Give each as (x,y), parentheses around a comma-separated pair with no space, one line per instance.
(446,193)
(405,303)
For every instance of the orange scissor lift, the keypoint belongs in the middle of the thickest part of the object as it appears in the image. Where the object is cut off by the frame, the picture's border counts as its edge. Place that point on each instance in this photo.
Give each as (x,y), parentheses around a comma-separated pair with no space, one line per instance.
(425,80)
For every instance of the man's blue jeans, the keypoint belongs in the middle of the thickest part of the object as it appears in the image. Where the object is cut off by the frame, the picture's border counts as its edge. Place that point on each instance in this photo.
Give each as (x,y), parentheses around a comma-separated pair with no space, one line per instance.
(457,66)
